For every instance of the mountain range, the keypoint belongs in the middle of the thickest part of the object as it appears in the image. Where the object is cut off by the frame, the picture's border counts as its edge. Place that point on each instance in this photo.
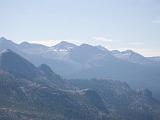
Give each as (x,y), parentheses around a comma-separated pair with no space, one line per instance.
(87,61)
(37,93)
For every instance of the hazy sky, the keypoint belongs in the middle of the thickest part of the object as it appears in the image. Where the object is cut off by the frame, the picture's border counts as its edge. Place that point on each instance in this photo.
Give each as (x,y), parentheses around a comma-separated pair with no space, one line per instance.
(116,24)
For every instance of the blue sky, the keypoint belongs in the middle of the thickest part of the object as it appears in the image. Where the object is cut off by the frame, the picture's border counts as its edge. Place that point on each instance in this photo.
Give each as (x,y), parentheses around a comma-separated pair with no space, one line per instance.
(115,24)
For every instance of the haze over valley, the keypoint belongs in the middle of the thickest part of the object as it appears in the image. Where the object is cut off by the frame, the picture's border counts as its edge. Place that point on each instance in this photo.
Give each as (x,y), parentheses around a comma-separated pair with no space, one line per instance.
(79,60)
(38,93)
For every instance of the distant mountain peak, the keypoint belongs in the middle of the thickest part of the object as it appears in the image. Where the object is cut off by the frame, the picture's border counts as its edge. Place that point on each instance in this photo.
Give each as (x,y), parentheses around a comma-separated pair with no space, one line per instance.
(14,63)
(86,45)
(131,52)
(31,45)
(64,43)
(3,38)
(24,43)
(93,49)
(102,48)
(131,56)
(7,44)
(64,46)
(115,52)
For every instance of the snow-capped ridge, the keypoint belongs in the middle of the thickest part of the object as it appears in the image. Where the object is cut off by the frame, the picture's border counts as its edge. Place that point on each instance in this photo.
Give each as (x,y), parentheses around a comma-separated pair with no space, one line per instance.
(64,46)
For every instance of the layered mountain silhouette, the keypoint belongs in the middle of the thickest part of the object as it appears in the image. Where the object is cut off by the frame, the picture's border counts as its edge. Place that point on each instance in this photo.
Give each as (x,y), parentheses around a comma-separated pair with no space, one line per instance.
(29,92)
(86,61)
(131,56)
(37,93)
